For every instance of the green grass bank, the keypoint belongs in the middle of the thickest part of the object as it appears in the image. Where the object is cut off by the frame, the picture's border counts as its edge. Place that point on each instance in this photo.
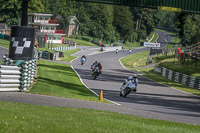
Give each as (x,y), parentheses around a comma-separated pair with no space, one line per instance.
(4,43)
(23,118)
(60,80)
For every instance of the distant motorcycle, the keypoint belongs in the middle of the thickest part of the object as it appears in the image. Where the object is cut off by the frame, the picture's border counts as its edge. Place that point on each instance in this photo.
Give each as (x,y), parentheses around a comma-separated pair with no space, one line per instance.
(117,51)
(127,88)
(95,73)
(129,50)
(83,60)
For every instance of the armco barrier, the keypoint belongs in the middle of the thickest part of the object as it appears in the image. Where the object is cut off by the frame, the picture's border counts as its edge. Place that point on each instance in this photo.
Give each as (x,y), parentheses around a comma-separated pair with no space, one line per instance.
(184,79)
(17,75)
(9,78)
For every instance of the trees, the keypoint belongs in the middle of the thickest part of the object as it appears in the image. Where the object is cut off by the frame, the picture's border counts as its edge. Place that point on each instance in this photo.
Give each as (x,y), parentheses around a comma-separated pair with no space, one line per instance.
(10,10)
(123,23)
(102,21)
(189,28)
(144,22)
(36,6)
(96,20)
(165,19)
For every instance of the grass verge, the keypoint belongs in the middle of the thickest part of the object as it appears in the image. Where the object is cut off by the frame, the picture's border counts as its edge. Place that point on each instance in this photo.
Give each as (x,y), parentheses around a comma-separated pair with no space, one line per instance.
(135,60)
(81,42)
(18,117)
(68,54)
(4,43)
(60,80)
(155,37)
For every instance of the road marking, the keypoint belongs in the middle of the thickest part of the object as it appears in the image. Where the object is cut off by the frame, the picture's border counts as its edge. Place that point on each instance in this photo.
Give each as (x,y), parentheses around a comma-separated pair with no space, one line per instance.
(73,60)
(90,89)
(123,65)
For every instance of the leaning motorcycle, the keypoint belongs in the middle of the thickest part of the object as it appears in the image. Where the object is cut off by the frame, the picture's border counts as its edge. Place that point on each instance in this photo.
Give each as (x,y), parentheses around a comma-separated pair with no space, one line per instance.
(127,88)
(83,60)
(95,73)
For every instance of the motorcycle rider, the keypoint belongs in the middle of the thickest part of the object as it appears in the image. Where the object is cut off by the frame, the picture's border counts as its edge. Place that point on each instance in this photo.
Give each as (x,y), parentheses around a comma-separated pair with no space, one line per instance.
(134,80)
(129,50)
(83,59)
(96,64)
(116,51)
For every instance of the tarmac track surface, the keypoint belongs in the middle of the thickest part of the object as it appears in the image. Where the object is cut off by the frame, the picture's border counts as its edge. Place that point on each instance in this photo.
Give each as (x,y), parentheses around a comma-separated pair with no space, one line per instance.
(156,100)
(152,100)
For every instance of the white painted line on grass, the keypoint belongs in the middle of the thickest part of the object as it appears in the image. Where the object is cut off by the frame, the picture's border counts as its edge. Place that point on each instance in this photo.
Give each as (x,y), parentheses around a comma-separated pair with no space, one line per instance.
(151,38)
(90,89)
(123,65)
(76,56)
(77,52)
(73,60)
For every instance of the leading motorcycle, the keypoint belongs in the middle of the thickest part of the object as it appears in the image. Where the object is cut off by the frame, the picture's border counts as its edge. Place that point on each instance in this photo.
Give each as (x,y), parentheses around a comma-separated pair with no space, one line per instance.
(127,88)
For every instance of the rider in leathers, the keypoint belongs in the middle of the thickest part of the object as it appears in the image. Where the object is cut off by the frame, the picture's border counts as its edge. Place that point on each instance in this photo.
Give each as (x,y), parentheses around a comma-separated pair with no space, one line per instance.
(134,80)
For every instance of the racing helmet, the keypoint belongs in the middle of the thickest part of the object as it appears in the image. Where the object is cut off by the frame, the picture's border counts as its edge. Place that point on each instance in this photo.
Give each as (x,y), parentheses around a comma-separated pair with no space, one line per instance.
(134,75)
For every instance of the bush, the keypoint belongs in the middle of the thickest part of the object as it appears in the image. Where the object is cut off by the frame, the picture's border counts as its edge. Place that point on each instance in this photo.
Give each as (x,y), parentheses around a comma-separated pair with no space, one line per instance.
(72,36)
(79,37)
(86,38)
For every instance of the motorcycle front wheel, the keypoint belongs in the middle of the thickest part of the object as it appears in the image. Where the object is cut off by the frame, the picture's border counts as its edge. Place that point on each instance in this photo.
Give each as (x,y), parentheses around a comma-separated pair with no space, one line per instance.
(126,91)
(94,76)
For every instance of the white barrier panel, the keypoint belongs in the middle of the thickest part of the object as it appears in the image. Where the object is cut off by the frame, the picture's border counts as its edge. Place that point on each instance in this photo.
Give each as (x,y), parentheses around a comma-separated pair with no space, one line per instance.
(9,76)
(149,44)
(9,85)
(10,81)
(10,72)
(112,48)
(9,89)
(8,67)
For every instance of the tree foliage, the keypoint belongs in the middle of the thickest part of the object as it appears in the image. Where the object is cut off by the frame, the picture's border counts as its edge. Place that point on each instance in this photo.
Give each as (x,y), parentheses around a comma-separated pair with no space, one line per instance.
(188,28)
(10,10)
(108,22)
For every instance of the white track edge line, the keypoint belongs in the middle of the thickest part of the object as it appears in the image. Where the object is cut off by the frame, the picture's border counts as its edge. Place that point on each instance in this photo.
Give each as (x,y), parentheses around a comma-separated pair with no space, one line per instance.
(75,56)
(90,89)
(4,48)
(73,60)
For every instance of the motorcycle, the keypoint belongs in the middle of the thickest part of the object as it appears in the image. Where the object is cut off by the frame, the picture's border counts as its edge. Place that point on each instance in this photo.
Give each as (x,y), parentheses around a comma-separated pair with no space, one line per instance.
(127,88)
(95,73)
(83,60)
(116,51)
(129,50)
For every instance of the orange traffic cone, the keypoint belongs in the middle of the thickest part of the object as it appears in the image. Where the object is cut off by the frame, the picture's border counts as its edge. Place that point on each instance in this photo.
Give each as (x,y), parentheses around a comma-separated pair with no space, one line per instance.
(101,96)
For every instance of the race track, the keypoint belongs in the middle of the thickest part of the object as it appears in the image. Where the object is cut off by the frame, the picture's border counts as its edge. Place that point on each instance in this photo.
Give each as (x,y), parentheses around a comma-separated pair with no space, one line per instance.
(152,100)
